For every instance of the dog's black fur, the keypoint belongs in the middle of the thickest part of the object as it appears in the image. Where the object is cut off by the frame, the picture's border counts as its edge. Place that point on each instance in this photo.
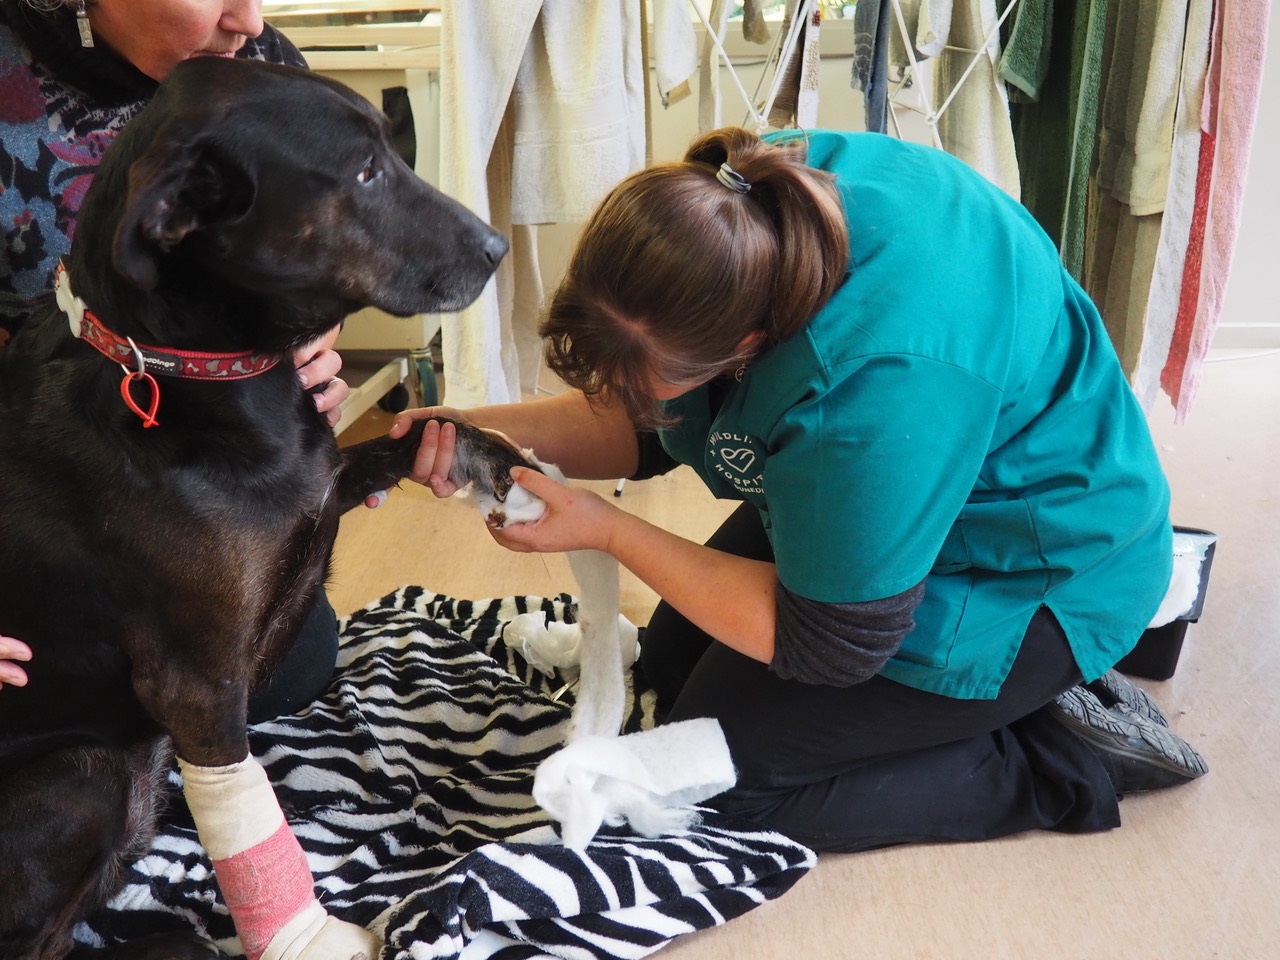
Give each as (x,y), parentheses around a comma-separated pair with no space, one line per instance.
(158,574)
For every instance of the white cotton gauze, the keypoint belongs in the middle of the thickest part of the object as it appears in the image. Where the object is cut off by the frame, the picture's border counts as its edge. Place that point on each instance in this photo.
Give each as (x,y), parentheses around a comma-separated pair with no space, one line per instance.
(647,779)
(553,645)
(547,647)
(1184,583)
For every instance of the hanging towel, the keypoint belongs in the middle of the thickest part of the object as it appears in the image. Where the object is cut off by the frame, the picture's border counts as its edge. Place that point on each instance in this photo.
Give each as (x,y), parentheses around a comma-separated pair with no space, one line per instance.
(1135,140)
(1231,106)
(571,75)
(710,103)
(1024,63)
(675,50)
(481,45)
(795,103)
(810,70)
(754,27)
(928,21)
(579,110)
(975,126)
(1088,45)
(1135,147)
(1175,235)
(1056,135)
(871,31)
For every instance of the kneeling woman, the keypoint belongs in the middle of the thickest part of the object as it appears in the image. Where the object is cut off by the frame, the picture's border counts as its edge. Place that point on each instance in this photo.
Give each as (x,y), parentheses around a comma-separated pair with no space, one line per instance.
(953,522)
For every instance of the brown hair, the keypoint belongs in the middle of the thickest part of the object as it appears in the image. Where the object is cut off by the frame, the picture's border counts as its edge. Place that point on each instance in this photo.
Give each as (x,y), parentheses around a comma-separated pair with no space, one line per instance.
(675,268)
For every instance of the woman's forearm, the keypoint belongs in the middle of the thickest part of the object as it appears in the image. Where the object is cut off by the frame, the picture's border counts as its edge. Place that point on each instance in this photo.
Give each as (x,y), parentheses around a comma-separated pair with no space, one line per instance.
(585,442)
(730,598)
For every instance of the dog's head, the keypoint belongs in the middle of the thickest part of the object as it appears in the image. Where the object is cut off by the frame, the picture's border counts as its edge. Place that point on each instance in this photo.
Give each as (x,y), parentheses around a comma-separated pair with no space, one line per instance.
(276,191)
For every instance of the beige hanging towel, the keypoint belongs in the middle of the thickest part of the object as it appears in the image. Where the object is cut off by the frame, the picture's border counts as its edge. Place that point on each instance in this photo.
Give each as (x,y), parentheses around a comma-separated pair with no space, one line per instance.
(568,80)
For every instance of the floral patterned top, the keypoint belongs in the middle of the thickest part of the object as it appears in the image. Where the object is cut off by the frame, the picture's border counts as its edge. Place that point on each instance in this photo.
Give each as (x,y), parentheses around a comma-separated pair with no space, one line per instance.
(61,105)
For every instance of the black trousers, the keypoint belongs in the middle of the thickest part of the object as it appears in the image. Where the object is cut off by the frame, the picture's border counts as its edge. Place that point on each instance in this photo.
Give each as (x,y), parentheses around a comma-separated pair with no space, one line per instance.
(881,763)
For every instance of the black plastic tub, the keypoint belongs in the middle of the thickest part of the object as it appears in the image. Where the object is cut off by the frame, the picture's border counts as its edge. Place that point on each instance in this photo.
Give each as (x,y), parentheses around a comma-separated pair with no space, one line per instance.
(1156,655)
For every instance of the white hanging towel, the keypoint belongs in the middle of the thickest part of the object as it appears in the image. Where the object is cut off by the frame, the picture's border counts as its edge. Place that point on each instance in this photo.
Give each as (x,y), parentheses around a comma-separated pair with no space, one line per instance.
(567,77)
(1175,233)
(675,49)
(975,126)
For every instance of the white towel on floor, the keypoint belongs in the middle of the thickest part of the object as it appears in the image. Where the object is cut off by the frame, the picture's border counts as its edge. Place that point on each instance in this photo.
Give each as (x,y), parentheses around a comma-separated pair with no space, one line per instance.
(649,779)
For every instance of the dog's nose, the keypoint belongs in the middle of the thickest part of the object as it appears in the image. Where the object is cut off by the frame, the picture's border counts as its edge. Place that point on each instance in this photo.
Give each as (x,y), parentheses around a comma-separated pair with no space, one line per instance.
(495,248)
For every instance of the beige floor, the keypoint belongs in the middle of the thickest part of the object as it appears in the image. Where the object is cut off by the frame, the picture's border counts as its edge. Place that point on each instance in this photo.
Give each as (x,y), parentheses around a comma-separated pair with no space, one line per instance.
(1193,873)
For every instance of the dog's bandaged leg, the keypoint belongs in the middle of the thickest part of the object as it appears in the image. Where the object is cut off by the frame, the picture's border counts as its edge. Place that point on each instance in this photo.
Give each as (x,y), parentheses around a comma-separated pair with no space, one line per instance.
(262,870)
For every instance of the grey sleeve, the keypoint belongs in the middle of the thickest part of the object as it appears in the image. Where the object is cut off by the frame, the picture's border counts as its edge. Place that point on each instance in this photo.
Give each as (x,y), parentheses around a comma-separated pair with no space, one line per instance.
(839,644)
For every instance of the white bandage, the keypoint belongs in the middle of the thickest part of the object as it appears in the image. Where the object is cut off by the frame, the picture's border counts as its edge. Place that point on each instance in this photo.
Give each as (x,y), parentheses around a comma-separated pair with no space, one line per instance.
(262,870)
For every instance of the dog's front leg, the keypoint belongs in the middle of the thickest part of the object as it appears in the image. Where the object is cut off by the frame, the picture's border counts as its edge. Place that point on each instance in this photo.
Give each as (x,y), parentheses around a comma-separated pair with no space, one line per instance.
(259,864)
(262,870)
(482,462)
(377,464)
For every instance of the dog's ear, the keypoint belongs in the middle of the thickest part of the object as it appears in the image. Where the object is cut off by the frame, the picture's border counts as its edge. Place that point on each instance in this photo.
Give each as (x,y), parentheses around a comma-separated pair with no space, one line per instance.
(176,188)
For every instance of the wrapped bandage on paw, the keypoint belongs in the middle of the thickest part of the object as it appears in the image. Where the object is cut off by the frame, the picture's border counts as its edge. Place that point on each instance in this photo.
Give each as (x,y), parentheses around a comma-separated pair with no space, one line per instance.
(520,506)
(262,870)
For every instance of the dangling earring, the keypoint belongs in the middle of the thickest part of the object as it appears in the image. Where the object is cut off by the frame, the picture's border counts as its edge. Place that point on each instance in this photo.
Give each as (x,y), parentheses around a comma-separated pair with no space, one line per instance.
(740,373)
(82,23)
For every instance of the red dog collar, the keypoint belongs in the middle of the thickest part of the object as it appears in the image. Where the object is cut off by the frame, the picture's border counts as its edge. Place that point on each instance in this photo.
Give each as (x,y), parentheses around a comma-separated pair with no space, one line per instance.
(140,361)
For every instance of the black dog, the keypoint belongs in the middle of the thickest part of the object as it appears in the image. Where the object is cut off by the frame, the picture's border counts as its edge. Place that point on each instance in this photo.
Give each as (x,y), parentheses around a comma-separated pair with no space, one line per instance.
(159,573)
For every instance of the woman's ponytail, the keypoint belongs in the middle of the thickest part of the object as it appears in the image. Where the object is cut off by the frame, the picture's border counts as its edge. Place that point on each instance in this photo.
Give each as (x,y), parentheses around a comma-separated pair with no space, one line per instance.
(807,215)
(686,270)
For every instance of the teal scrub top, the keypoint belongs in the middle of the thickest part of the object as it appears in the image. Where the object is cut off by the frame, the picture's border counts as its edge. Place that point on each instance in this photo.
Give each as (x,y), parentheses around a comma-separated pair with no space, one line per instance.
(956,414)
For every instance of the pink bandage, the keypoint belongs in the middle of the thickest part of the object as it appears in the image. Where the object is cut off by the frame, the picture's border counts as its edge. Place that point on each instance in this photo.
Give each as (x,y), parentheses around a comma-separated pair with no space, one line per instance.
(265,887)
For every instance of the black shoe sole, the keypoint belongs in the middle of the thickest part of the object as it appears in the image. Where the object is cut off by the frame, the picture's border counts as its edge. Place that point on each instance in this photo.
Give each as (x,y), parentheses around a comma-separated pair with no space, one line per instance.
(1137,761)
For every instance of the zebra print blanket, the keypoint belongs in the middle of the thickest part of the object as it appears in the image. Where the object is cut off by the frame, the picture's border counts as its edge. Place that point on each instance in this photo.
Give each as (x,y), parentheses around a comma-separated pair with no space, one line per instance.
(408,785)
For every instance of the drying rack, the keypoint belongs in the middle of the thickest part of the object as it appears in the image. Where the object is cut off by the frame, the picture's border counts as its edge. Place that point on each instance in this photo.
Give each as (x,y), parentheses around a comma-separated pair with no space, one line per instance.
(784,45)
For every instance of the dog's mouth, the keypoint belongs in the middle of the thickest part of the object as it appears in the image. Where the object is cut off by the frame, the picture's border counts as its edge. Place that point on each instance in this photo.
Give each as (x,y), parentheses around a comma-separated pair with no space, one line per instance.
(435,296)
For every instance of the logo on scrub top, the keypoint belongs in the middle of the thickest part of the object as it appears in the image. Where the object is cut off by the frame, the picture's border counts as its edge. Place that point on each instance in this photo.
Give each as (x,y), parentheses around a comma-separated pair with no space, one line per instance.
(738,459)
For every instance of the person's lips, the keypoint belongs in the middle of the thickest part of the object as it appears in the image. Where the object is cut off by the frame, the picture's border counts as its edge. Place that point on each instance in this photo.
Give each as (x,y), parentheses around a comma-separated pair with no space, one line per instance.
(217,53)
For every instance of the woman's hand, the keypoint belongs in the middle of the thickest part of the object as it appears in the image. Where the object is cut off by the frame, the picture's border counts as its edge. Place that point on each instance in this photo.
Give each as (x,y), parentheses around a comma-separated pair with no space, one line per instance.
(318,365)
(10,651)
(576,519)
(435,451)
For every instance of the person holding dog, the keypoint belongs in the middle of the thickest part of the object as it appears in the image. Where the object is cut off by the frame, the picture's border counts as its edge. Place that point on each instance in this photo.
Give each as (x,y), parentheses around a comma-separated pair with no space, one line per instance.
(953,520)
(72,74)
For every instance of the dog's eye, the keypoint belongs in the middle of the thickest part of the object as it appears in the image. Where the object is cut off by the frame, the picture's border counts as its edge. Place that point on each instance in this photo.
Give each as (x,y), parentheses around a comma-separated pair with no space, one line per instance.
(370,172)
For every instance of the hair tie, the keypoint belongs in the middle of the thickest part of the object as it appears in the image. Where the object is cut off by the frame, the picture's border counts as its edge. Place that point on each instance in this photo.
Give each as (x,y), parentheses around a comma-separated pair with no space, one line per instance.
(732,179)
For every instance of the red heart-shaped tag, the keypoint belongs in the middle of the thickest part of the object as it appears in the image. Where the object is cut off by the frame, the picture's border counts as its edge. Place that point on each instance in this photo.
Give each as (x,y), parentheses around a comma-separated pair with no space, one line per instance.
(148,416)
